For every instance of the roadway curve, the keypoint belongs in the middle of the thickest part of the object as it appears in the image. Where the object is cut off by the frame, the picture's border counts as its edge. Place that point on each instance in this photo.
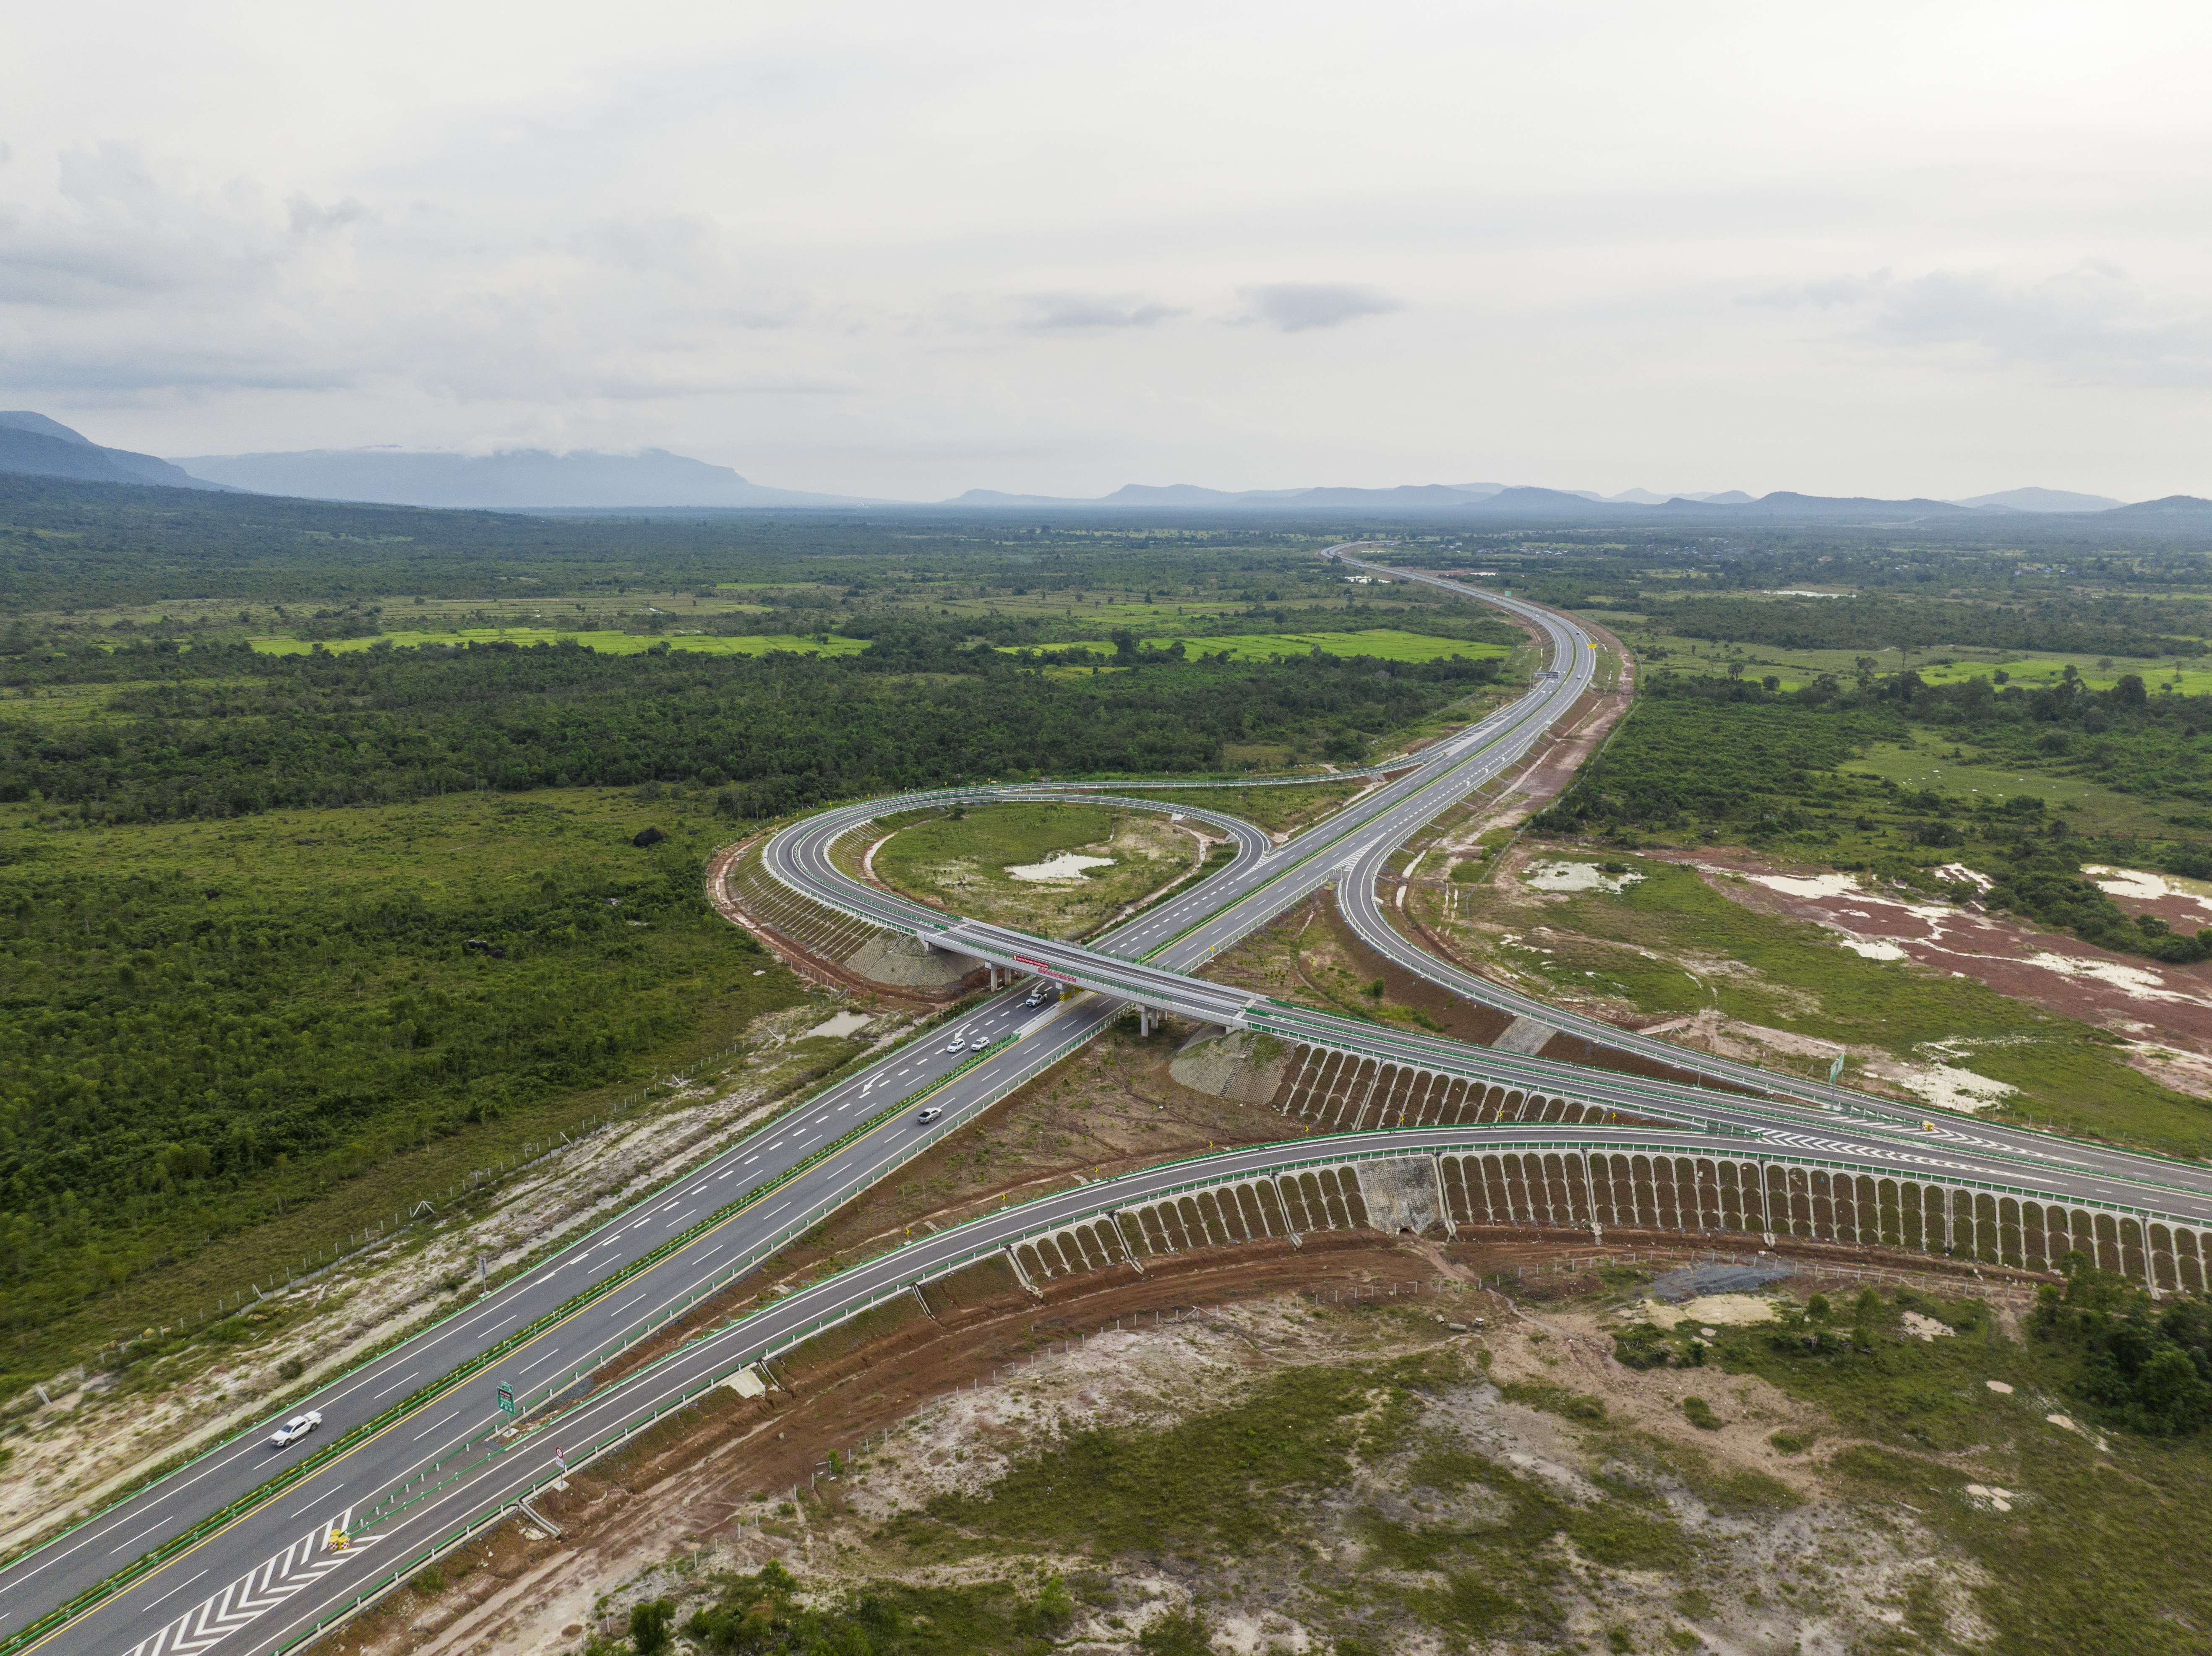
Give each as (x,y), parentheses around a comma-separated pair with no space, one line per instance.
(263,1576)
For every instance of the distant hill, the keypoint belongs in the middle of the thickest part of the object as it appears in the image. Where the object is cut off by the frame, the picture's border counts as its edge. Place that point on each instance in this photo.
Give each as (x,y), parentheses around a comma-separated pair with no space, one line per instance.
(1784,504)
(1190,495)
(1646,497)
(2174,506)
(2044,500)
(518,479)
(1486,501)
(1414,497)
(33,445)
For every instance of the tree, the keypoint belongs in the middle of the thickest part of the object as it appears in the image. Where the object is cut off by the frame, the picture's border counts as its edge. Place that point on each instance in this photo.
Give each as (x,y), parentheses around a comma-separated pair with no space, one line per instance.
(648,1626)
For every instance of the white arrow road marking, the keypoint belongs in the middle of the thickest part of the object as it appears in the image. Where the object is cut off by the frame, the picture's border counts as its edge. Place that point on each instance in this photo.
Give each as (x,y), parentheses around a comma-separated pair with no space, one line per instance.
(303,1564)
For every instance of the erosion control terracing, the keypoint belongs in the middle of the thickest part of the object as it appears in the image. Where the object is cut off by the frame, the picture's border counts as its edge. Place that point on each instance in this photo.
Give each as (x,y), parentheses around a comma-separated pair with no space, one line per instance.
(833,948)
(1625,1186)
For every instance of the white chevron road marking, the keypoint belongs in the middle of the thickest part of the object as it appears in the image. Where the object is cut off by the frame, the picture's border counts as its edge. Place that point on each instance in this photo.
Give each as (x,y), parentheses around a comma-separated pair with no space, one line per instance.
(260,1589)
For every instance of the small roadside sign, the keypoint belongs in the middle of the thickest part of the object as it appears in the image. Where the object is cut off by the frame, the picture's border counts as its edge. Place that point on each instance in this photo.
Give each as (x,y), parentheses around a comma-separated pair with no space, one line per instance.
(506,1400)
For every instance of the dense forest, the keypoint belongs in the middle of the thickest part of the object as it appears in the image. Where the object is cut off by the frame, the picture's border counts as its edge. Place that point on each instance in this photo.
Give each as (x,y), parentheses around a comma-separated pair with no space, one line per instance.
(218,732)
(202,1025)
(72,547)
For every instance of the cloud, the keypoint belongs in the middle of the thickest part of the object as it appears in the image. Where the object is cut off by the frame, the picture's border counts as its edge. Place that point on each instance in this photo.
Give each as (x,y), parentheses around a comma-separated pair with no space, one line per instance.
(2092,320)
(1098,311)
(308,219)
(1823,295)
(1295,306)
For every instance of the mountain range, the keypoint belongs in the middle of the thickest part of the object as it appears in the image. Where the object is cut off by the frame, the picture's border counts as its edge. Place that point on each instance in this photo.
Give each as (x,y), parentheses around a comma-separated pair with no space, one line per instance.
(657,480)
(30,443)
(516,479)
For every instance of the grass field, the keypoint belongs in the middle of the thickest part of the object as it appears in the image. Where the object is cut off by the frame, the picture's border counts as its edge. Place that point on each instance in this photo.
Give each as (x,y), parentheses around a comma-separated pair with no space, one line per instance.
(1384,643)
(1935,759)
(229,618)
(1797,668)
(2099,1551)
(1670,945)
(963,861)
(604,642)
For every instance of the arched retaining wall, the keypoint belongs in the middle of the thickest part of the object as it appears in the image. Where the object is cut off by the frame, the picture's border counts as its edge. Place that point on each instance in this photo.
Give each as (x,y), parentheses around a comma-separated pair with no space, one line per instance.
(1641,1187)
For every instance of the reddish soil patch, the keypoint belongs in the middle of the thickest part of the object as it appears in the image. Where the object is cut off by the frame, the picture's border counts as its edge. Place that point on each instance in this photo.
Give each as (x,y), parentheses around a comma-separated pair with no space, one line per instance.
(2129,994)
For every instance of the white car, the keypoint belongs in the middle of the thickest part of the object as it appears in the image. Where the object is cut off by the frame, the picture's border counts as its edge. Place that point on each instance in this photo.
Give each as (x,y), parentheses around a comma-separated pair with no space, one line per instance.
(959,1044)
(929,1115)
(979,1043)
(295,1428)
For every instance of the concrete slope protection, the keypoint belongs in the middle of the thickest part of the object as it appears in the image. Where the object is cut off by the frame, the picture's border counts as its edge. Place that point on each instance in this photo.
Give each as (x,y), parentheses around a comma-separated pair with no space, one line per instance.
(401,1481)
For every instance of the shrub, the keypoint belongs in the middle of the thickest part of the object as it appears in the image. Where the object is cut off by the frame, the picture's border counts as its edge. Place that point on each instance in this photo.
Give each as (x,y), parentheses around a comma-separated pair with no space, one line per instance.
(1641,1345)
(1178,1633)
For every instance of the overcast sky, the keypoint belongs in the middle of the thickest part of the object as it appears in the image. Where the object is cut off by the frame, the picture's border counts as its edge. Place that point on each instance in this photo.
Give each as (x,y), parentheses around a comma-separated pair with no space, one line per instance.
(908,249)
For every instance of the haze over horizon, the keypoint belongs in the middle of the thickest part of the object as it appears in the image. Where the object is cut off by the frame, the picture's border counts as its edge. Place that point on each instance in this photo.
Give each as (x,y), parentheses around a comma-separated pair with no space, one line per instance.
(868,250)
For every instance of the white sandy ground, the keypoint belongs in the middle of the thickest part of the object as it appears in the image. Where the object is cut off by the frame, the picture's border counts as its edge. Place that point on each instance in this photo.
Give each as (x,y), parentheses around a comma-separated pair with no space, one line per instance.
(1716,1310)
(1960,874)
(2145,886)
(88,1442)
(1926,1328)
(2140,984)
(1873,949)
(1807,885)
(838,1028)
(1576,877)
(1950,1088)
(1068,865)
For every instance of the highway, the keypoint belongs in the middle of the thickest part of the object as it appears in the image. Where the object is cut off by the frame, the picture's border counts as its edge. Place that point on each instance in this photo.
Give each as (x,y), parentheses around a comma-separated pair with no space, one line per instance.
(444,1457)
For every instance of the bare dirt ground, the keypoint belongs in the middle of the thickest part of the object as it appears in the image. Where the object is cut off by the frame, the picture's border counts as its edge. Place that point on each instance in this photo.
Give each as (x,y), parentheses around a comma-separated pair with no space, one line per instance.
(96,1438)
(1546,777)
(918,1409)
